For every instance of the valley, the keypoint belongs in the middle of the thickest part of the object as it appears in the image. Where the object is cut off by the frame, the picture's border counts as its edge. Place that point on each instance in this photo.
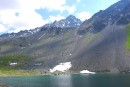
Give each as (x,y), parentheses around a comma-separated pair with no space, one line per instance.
(100,44)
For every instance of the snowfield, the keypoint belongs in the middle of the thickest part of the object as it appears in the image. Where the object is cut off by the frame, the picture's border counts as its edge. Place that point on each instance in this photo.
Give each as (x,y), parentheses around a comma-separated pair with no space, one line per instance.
(61,67)
(87,72)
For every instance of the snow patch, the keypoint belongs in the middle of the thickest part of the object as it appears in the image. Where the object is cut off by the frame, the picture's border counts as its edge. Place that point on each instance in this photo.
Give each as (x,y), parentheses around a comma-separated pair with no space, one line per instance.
(11,64)
(70,54)
(38,64)
(63,25)
(23,47)
(87,72)
(80,36)
(62,67)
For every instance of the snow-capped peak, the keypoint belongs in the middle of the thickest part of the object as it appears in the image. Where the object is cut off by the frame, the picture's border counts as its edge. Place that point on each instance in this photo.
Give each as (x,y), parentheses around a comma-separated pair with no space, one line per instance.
(70,21)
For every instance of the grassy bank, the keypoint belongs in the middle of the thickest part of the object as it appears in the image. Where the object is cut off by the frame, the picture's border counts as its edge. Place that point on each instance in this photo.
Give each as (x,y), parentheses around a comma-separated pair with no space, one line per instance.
(20,59)
(128,37)
(12,70)
(20,72)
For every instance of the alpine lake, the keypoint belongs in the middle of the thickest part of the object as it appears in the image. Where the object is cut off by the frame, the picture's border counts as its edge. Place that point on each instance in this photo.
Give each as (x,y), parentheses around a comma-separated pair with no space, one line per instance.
(77,80)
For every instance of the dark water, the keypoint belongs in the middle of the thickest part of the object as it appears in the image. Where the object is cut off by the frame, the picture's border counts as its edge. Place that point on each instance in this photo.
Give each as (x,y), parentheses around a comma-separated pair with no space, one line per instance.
(99,80)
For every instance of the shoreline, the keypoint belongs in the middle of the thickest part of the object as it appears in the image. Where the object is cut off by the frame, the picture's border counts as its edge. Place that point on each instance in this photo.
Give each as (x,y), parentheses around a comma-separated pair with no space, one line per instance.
(37,72)
(57,74)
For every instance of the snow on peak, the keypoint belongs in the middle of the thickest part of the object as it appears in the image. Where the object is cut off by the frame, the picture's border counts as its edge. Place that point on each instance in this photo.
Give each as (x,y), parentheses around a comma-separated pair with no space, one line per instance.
(70,21)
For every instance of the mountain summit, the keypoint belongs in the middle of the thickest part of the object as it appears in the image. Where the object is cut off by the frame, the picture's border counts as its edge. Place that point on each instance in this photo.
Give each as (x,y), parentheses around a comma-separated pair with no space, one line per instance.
(70,21)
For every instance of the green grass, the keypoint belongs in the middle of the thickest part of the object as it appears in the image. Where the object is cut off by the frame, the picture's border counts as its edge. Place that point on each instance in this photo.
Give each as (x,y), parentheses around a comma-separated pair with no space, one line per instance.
(7,70)
(128,37)
(13,72)
(20,59)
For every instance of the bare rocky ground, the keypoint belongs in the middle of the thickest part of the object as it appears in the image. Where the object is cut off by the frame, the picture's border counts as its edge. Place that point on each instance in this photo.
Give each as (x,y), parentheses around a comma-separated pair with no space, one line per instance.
(106,52)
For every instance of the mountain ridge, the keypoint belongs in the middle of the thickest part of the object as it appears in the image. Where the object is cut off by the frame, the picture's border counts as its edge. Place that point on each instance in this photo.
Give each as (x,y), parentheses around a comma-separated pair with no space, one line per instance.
(117,13)
(70,21)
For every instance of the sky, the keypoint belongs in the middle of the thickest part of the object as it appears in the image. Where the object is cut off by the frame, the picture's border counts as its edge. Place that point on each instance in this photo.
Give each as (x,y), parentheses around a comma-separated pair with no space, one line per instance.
(16,15)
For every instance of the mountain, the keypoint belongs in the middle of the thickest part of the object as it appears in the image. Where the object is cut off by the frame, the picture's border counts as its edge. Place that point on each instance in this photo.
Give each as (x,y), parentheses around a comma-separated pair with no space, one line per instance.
(118,13)
(70,21)
(20,34)
(105,44)
(100,44)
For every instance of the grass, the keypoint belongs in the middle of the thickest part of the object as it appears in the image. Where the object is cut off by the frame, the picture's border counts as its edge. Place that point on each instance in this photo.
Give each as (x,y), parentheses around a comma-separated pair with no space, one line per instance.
(7,70)
(20,59)
(128,37)
(13,72)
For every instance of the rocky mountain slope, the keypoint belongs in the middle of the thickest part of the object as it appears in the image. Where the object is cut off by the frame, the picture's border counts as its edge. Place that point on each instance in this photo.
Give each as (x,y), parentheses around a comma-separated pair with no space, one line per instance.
(106,36)
(118,13)
(100,44)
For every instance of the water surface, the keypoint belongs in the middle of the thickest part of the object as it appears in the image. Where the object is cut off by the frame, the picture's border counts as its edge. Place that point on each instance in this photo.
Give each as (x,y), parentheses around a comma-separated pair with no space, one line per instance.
(97,80)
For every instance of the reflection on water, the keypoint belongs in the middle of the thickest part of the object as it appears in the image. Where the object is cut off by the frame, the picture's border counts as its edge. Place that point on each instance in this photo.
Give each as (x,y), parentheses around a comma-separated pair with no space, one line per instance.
(33,81)
(61,81)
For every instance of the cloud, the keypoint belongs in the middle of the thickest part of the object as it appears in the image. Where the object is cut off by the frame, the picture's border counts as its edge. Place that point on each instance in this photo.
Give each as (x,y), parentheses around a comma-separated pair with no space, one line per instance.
(25,20)
(21,14)
(2,28)
(78,1)
(83,15)
(53,18)
(71,9)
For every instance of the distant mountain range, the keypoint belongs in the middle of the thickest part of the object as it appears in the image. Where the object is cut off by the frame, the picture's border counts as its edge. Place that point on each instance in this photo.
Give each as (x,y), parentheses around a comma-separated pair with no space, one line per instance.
(70,21)
(100,44)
